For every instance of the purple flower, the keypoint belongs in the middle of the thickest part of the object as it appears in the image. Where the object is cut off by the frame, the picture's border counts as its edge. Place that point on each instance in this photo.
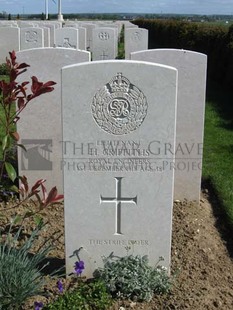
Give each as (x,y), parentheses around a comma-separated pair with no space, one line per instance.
(79,267)
(38,305)
(60,286)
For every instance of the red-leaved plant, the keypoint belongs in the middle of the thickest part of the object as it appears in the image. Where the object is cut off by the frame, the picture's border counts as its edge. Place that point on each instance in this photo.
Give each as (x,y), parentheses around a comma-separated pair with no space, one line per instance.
(13,100)
(46,199)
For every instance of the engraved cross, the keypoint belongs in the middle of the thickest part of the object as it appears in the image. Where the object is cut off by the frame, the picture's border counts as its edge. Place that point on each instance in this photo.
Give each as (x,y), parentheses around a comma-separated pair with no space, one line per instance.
(104,56)
(118,200)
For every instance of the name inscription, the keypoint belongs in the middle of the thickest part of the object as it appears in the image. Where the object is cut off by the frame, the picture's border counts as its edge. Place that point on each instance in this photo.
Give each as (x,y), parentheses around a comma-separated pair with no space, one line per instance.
(130,148)
(131,156)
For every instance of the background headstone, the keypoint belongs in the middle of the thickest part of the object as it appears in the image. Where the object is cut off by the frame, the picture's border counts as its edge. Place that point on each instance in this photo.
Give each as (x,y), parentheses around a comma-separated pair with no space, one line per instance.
(82,41)
(117,194)
(89,29)
(40,123)
(51,27)
(31,38)
(46,36)
(9,41)
(192,68)
(66,37)
(136,39)
(104,44)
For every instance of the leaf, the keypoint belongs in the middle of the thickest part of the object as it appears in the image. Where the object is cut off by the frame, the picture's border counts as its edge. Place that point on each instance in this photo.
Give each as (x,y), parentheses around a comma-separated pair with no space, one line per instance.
(20,103)
(14,188)
(22,146)
(23,65)
(24,185)
(15,135)
(5,142)
(10,171)
(17,219)
(38,220)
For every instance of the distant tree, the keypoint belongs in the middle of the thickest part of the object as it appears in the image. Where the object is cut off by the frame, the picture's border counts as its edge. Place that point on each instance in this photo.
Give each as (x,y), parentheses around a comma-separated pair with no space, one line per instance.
(42,16)
(4,14)
(18,16)
(9,16)
(48,16)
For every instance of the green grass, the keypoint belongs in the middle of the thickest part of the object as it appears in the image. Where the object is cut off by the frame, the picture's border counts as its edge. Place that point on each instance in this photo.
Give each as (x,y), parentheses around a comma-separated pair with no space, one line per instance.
(121,45)
(218,148)
(121,51)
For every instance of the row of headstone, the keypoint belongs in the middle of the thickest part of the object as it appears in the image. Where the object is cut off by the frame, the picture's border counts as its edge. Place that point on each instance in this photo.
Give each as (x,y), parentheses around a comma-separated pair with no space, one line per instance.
(190,110)
(131,143)
(100,39)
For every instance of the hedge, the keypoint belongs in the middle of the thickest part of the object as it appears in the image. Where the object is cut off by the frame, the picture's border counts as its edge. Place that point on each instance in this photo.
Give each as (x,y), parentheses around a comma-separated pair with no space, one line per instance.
(215,41)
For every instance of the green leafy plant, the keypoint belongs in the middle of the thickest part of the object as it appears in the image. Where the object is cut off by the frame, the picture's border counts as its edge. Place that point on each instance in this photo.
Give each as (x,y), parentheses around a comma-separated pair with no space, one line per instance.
(20,272)
(132,277)
(3,69)
(87,296)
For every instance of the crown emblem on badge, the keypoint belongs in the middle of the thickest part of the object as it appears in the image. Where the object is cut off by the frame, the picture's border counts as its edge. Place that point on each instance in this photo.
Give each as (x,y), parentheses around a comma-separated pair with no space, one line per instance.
(119,83)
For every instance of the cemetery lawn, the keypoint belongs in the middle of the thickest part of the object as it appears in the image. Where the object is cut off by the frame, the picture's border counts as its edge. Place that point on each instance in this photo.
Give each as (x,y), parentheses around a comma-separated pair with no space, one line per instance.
(218,148)
(201,260)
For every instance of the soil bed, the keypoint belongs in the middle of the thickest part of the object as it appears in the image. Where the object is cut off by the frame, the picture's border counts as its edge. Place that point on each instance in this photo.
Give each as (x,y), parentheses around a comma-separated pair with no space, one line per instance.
(201,258)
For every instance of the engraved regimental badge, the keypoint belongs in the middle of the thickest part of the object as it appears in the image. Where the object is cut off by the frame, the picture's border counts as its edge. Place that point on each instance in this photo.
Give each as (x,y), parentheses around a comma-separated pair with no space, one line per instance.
(119,107)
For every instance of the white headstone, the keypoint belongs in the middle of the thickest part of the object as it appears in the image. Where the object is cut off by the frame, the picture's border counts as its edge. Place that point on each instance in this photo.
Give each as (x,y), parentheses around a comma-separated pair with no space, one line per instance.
(31,38)
(57,24)
(128,24)
(40,123)
(66,37)
(52,33)
(115,27)
(136,39)
(70,25)
(104,44)
(24,24)
(89,29)
(190,116)
(117,194)
(46,36)
(9,41)
(2,24)
(82,38)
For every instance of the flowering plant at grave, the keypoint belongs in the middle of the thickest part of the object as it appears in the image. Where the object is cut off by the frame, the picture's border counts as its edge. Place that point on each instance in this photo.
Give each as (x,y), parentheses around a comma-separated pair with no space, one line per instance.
(38,305)
(13,100)
(60,286)
(79,267)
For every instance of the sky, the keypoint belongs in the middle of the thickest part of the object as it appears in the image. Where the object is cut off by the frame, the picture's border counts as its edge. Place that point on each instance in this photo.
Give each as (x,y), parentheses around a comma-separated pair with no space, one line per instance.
(120,6)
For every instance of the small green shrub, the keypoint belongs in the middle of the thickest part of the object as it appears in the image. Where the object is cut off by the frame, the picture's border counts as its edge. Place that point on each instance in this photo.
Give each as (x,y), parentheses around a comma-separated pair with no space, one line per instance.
(132,277)
(4,70)
(20,274)
(88,296)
